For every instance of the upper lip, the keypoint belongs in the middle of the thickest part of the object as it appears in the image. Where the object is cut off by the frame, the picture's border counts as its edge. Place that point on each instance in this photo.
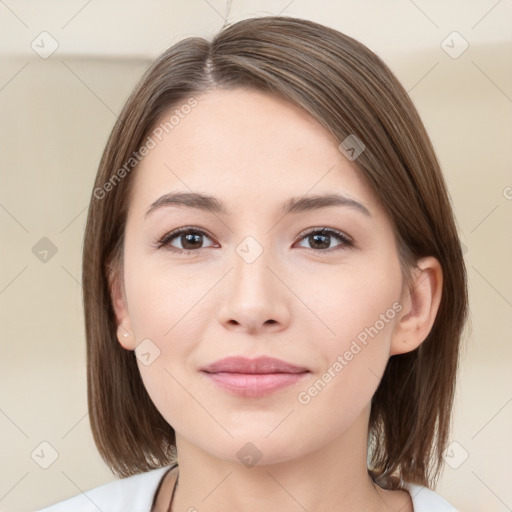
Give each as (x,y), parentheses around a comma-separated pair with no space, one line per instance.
(264,364)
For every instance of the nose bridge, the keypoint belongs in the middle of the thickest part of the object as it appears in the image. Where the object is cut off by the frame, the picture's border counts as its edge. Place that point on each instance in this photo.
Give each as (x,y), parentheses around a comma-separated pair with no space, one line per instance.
(255,296)
(253,281)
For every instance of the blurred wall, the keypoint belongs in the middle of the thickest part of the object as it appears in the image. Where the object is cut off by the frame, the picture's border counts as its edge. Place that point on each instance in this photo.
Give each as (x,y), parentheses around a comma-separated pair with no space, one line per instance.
(66,71)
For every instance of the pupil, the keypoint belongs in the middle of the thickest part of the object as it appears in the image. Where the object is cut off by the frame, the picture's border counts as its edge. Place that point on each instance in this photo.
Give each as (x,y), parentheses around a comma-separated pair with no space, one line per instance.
(190,237)
(317,236)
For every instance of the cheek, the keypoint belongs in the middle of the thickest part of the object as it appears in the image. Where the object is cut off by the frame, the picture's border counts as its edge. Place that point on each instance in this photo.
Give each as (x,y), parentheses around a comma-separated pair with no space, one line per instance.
(163,300)
(356,302)
(358,314)
(353,362)
(164,311)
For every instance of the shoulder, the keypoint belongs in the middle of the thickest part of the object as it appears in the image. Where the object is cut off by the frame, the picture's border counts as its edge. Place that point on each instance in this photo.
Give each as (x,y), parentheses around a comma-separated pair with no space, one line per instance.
(134,493)
(426,500)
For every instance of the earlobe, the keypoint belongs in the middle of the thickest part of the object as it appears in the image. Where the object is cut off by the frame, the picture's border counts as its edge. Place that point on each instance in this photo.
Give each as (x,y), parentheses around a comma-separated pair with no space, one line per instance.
(125,337)
(421,303)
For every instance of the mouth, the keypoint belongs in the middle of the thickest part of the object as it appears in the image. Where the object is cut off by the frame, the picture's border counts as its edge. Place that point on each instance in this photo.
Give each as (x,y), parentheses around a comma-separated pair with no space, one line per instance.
(253,377)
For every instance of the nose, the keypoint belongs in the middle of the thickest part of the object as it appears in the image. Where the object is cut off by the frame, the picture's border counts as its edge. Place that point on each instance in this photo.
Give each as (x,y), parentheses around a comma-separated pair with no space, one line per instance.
(255,296)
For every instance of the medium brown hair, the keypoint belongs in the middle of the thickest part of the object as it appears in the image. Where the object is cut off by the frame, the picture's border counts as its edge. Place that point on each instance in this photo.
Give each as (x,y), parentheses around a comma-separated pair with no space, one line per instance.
(350,91)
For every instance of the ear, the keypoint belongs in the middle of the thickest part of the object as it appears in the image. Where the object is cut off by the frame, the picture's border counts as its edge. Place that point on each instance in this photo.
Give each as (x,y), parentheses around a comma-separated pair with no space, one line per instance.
(125,334)
(420,305)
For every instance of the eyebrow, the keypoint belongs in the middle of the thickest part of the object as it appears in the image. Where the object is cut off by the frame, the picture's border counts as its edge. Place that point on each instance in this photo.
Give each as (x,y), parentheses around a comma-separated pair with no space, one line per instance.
(292,205)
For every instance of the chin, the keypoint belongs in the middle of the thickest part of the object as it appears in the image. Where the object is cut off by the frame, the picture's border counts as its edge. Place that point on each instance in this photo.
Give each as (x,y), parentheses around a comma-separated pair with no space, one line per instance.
(256,449)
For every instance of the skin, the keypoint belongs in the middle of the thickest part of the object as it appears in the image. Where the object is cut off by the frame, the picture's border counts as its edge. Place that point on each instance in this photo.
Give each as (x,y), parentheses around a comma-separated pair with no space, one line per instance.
(253,151)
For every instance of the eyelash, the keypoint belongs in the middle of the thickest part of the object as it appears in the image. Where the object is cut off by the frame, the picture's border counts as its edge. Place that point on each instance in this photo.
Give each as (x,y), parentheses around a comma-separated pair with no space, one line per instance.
(346,242)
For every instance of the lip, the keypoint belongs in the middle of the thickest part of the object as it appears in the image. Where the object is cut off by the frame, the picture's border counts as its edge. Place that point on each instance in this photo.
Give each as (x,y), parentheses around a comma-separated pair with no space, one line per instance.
(253,377)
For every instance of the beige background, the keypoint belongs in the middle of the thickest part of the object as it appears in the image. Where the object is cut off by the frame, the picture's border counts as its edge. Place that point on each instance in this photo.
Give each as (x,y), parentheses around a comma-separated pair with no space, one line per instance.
(56,114)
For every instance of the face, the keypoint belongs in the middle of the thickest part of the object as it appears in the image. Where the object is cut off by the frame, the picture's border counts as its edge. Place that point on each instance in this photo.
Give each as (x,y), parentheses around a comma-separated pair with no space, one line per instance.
(318,286)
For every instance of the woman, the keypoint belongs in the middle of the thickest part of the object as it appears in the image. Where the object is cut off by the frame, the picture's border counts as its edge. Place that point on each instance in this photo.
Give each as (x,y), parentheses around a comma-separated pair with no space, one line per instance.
(274,288)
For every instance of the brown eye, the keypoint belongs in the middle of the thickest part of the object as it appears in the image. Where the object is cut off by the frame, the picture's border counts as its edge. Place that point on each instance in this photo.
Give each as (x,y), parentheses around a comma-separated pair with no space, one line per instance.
(320,239)
(188,240)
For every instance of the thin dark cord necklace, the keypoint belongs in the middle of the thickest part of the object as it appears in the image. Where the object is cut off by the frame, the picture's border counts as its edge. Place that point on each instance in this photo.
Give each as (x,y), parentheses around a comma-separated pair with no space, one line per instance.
(169,509)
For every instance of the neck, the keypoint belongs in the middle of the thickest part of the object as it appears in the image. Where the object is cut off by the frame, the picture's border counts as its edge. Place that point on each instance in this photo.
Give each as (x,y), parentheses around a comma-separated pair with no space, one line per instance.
(333,477)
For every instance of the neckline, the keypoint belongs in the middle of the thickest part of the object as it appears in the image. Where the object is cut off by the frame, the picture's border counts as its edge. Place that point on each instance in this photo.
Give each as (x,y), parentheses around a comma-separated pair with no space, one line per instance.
(412,489)
(175,485)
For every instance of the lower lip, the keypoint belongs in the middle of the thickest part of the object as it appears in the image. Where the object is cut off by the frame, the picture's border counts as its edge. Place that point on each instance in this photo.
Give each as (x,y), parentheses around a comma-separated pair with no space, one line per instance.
(254,384)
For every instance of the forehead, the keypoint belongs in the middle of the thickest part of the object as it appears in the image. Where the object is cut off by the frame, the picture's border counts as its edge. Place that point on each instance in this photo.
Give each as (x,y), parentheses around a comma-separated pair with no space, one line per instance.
(248,146)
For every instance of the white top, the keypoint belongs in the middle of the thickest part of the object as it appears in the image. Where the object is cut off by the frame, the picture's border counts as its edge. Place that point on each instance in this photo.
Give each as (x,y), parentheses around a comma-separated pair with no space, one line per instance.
(136,494)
